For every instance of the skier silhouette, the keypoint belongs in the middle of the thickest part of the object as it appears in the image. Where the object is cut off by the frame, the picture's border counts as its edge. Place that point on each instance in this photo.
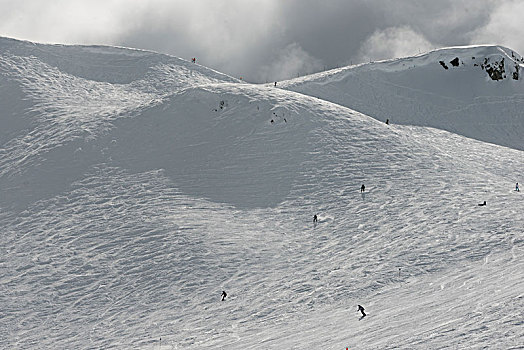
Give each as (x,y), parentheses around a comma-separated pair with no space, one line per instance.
(361,309)
(362,188)
(482,204)
(387,121)
(517,187)
(224,295)
(315,219)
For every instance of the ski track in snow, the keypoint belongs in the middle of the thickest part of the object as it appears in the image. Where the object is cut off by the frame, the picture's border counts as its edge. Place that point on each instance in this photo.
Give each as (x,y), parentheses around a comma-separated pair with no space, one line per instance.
(165,190)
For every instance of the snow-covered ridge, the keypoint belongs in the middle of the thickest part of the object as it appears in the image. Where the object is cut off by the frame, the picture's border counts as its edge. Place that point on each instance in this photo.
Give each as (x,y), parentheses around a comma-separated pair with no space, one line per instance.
(134,191)
(116,65)
(472,53)
(475,91)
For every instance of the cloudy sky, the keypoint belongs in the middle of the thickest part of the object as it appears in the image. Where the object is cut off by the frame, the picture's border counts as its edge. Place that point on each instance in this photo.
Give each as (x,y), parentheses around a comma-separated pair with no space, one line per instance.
(268,40)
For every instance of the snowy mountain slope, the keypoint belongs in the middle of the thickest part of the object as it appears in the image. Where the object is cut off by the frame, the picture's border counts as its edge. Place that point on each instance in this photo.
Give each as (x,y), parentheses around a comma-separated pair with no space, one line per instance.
(110,64)
(65,107)
(127,210)
(429,90)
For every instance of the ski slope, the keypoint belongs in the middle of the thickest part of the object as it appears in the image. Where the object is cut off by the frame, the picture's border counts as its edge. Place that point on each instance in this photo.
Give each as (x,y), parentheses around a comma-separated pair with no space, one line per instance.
(135,187)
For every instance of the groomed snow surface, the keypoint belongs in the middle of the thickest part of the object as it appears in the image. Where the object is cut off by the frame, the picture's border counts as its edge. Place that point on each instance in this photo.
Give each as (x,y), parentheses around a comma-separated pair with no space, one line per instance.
(136,187)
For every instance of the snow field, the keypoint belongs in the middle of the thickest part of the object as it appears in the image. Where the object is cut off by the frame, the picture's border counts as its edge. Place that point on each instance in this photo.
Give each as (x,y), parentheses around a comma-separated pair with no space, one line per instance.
(137,204)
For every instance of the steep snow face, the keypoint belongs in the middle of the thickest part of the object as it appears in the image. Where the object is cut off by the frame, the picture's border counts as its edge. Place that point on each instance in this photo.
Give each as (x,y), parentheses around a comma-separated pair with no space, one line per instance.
(127,208)
(222,143)
(475,91)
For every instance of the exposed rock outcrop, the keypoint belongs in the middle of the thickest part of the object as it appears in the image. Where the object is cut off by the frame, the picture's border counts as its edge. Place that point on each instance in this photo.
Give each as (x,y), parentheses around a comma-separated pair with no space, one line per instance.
(497,66)
(496,70)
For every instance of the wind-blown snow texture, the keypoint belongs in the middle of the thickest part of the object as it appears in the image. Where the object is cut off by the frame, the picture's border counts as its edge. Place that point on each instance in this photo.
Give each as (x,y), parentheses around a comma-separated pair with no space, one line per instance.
(135,187)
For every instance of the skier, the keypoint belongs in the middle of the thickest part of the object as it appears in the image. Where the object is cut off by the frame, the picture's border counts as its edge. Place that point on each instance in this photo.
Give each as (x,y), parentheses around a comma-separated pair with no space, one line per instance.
(362,188)
(361,309)
(315,219)
(387,121)
(224,295)
(275,83)
(482,204)
(517,187)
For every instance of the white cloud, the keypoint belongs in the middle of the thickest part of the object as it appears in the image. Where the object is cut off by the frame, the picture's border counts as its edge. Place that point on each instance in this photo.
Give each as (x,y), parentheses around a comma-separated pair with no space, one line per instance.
(393,42)
(61,21)
(290,62)
(504,27)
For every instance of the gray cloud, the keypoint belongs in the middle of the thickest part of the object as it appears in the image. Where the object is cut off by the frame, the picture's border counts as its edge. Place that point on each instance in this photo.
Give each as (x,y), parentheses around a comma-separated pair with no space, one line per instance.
(289,62)
(268,40)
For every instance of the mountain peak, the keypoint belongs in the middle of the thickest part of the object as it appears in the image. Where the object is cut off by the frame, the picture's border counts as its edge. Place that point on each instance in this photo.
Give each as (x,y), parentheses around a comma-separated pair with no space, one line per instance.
(465,90)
